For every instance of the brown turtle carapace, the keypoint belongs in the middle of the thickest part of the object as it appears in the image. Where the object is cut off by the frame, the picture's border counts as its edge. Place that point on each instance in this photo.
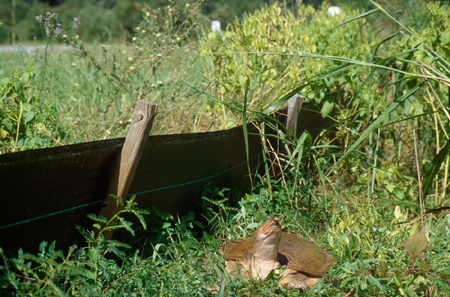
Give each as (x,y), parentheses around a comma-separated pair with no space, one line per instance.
(270,249)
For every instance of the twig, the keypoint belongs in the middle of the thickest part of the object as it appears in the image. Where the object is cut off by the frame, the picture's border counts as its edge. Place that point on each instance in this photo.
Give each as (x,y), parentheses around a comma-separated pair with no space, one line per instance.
(418,175)
(421,69)
(442,210)
(412,264)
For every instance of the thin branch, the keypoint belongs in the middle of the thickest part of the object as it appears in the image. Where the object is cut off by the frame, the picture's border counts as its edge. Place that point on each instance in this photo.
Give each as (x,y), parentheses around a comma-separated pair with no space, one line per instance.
(434,92)
(418,176)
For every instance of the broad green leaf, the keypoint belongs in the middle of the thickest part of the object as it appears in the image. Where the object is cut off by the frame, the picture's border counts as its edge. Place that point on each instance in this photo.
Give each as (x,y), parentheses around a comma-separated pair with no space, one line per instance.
(242,81)
(4,81)
(26,106)
(382,269)
(212,36)
(93,255)
(28,116)
(18,85)
(327,107)
(7,124)
(424,266)
(26,77)
(416,244)
(3,133)
(40,126)
(31,142)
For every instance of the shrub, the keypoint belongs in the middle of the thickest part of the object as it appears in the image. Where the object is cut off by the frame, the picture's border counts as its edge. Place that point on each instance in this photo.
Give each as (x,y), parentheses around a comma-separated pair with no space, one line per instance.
(276,51)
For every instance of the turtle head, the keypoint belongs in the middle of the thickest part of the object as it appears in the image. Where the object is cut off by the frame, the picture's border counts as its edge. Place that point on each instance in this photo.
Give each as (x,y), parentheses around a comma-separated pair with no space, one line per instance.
(267,240)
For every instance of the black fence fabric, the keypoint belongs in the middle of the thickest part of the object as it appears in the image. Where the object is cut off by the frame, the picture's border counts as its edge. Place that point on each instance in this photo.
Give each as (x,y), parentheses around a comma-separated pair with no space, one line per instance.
(45,193)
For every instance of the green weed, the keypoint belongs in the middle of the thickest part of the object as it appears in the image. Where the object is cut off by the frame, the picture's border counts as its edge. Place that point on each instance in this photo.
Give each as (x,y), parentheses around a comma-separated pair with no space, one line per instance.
(372,189)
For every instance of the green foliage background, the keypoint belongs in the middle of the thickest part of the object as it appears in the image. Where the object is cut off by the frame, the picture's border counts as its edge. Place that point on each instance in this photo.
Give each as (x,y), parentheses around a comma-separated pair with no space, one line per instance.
(106,20)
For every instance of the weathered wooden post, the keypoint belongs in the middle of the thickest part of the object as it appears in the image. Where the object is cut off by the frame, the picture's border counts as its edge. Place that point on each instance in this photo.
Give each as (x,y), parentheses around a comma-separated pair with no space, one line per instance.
(294,107)
(128,162)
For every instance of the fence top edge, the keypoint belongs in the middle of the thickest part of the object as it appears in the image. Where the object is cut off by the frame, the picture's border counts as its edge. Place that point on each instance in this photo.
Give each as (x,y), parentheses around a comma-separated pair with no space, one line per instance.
(111,144)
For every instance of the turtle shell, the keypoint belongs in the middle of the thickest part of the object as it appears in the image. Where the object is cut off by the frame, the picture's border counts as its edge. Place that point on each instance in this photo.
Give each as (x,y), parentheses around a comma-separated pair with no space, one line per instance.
(294,252)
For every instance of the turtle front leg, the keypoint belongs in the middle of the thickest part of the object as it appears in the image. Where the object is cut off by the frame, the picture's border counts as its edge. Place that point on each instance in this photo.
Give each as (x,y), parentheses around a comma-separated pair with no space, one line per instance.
(238,267)
(293,279)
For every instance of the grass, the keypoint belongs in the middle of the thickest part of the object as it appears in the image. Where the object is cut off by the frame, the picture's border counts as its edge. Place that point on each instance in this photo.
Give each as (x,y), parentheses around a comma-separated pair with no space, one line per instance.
(80,93)
(184,255)
(372,190)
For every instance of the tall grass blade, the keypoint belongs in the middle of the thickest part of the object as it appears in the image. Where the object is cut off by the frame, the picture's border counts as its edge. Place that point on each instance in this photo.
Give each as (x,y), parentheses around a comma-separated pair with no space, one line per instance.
(222,288)
(384,41)
(433,168)
(244,127)
(355,18)
(378,122)
(429,48)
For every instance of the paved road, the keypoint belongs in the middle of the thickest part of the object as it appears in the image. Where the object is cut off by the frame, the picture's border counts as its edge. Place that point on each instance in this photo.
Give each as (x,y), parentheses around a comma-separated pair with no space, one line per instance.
(30,48)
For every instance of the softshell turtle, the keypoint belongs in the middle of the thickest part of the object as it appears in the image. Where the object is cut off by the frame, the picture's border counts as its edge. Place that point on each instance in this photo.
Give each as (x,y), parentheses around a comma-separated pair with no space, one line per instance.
(270,249)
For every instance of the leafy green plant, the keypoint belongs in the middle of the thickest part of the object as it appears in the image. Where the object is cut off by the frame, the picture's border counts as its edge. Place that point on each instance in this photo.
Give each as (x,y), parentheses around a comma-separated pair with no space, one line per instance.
(26,121)
(276,52)
(386,101)
(83,270)
(354,190)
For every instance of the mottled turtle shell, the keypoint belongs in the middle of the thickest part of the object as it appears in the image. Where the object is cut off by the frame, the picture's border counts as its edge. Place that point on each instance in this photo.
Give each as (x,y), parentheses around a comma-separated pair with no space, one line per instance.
(294,252)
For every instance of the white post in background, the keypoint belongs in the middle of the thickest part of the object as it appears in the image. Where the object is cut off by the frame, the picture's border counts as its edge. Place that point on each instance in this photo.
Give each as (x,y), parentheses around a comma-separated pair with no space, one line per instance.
(215,26)
(334,10)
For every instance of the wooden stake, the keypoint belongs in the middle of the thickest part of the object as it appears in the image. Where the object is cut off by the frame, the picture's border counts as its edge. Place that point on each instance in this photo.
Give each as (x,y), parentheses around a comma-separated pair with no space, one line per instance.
(128,162)
(295,104)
